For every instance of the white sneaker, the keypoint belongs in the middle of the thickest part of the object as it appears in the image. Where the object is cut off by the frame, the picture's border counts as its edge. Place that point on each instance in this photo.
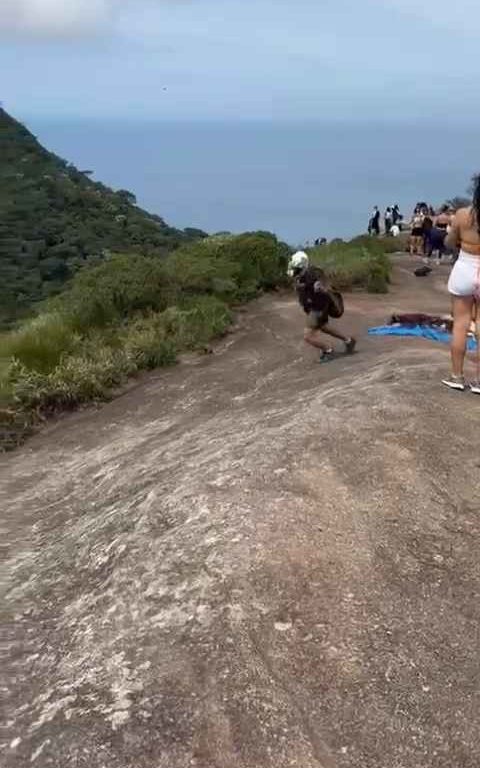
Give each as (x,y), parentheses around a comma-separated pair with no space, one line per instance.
(475,387)
(455,382)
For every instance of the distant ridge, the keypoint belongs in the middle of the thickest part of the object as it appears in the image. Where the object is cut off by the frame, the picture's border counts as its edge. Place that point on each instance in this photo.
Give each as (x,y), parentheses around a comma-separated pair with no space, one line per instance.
(55,219)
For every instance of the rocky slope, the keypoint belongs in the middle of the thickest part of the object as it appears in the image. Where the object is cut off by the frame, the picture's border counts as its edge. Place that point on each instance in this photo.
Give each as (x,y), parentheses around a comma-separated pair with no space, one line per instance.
(252,561)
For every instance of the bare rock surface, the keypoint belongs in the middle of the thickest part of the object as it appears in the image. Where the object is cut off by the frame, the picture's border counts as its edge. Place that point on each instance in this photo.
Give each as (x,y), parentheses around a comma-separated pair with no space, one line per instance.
(252,561)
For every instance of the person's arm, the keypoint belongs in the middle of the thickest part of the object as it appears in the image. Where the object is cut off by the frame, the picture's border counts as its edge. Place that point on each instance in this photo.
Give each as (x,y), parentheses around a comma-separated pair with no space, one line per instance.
(303,295)
(454,237)
(318,280)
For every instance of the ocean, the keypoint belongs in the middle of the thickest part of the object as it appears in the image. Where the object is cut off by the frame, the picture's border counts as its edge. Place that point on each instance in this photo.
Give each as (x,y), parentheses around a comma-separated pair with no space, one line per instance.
(300,181)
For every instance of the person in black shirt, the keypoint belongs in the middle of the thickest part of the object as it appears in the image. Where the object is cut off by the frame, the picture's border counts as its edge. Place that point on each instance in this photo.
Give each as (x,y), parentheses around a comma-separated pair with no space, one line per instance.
(427,228)
(374,223)
(388,220)
(320,301)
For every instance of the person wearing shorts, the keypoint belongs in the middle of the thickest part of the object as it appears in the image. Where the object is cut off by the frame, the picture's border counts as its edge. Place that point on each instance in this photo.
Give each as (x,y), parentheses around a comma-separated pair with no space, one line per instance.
(464,287)
(319,303)
(416,238)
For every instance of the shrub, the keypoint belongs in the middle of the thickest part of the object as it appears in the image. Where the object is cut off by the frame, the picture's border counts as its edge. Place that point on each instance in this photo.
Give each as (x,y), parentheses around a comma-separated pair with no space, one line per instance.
(377,281)
(76,379)
(81,378)
(40,343)
(261,259)
(130,313)
(203,268)
(203,318)
(360,263)
(381,245)
(114,290)
(104,360)
(147,345)
(54,218)
(234,268)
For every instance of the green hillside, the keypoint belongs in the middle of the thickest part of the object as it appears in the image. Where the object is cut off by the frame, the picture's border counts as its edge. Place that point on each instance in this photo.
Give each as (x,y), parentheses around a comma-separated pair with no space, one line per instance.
(55,219)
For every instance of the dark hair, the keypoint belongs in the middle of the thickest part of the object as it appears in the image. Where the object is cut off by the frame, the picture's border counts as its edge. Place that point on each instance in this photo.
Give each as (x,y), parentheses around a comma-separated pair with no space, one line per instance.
(445,209)
(476,200)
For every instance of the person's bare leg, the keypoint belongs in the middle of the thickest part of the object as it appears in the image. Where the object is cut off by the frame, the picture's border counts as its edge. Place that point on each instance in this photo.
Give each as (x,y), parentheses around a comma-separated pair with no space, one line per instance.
(476,320)
(311,337)
(349,341)
(333,332)
(462,317)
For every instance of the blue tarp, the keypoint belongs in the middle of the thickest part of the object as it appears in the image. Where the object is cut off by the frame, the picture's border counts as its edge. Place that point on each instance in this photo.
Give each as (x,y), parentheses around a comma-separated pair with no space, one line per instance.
(423,331)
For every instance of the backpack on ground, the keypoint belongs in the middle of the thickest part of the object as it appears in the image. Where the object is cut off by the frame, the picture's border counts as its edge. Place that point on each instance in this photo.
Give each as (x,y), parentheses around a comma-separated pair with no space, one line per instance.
(422,271)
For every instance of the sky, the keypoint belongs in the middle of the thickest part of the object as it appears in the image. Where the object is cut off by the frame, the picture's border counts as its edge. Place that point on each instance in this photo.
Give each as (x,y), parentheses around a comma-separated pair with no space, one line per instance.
(290,60)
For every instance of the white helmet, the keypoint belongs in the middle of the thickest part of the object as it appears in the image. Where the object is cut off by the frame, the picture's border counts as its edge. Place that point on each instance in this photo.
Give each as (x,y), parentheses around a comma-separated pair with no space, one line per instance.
(298,261)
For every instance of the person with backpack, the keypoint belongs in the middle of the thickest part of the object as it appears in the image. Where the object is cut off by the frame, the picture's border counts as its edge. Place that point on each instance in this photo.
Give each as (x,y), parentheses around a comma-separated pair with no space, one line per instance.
(320,301)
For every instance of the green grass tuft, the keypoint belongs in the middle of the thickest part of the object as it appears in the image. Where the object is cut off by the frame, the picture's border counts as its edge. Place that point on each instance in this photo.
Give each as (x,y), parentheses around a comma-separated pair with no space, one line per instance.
(360,263)
(132,313)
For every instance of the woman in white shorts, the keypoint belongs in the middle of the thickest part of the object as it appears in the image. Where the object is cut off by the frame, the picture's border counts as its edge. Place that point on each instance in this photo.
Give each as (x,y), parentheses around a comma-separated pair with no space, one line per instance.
(464,286)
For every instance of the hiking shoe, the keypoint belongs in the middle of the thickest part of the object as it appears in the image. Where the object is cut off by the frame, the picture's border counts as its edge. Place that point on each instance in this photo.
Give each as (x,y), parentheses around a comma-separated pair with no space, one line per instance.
(350,346)
(455,382)
(475,387)
(326,355)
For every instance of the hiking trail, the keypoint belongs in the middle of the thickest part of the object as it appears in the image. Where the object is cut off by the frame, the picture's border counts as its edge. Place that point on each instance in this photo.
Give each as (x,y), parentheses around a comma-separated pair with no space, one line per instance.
(252,560)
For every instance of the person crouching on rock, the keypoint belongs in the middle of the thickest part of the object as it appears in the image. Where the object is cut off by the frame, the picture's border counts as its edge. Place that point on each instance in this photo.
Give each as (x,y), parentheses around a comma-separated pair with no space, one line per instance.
(320,301)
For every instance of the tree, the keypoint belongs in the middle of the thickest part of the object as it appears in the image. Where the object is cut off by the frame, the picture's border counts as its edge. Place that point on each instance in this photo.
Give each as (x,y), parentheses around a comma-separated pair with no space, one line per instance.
(127,197)
(54,215)
(54,269)
(194,233)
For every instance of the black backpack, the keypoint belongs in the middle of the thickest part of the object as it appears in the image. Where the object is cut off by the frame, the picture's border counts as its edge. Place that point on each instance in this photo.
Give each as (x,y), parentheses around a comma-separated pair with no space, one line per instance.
(422,271)
(336,306)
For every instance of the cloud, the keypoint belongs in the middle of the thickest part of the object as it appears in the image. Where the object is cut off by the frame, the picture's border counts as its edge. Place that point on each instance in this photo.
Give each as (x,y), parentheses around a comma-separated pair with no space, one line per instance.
(53,18)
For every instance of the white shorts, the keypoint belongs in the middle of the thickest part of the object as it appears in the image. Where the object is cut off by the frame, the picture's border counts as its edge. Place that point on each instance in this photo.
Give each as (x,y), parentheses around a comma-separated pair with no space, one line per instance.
(465,276)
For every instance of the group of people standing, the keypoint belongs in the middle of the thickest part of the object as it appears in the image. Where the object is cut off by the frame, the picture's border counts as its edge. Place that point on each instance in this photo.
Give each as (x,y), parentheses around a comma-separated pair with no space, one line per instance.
(429,229)
(457,231)
(392,221)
